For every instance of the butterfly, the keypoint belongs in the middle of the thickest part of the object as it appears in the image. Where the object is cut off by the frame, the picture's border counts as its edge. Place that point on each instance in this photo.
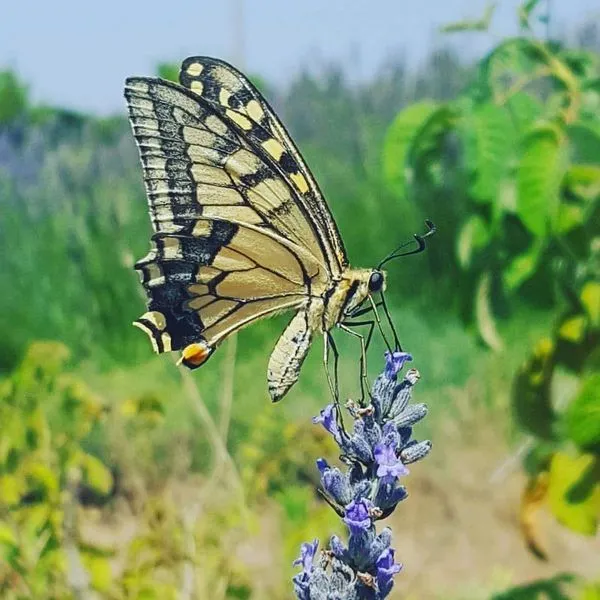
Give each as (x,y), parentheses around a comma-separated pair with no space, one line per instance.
(242,231)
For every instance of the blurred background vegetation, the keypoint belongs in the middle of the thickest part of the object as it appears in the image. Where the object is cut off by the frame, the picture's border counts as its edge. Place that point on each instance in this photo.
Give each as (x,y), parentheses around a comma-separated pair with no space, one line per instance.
(122,476)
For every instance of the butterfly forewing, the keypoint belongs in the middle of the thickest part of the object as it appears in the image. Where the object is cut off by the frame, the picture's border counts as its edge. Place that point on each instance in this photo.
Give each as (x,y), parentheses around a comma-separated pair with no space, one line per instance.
(232,241)
(231,94)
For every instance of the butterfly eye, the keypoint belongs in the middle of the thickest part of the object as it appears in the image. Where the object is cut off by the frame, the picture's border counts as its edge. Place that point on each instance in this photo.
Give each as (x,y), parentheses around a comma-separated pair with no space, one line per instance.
(375,281)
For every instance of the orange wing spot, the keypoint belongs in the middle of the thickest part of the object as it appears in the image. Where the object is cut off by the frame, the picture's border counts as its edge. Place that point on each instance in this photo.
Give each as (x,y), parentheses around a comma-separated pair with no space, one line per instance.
(195,355)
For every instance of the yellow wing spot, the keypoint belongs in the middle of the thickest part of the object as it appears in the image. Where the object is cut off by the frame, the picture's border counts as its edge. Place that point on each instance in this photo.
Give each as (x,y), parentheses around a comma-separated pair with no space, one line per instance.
(155,330)
(216,125)
(274,148)
(194,69)
(207,274)
(156,318)
(300,182)
(166,341)
(202,228)
(197,87)
(241,120)
(224,96)
(171,248)
(237,214)
(254,110)
(155,275)
(199,302)
(198,289)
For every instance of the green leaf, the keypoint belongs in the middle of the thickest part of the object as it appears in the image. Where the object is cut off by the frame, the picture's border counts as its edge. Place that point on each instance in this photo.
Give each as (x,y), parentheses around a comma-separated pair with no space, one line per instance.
(572,328)
(403,134)
(569,217)
(583,181)
(582,417)
(493,144)
(531,402)
(486,323)
(525,11)
(99,570)
(42,476)
(539,176)
(584,141)
(573,501)
(590,298)
(96,474)
(524,111)
(522,267)
(473,235)
(11,488)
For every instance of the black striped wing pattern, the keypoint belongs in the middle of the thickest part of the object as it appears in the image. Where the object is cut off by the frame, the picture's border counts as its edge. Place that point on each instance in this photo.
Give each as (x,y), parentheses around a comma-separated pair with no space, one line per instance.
(241,228)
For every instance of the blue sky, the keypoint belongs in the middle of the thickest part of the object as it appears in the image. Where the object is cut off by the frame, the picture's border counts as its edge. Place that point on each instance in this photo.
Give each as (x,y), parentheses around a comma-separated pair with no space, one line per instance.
(77,53)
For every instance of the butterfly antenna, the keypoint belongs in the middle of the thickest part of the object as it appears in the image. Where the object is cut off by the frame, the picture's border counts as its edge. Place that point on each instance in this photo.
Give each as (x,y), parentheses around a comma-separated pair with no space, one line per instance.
(388,316)
(397,253)
(417,238)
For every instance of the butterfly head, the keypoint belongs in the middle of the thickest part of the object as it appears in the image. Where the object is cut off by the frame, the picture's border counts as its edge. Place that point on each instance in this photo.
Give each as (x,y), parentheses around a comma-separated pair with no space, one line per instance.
(362,283)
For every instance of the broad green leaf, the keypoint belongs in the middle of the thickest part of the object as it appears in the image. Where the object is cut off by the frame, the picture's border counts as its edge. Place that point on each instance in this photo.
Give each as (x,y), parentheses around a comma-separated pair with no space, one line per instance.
(401,136)
(539,176)
(531,402)
(584,141)
(524,111)
(97,475)
(590,298)
(493,143)
(486,323)
(522,267)
(583,181)
(582,417)
(473,235)
(514,60)
(574,502)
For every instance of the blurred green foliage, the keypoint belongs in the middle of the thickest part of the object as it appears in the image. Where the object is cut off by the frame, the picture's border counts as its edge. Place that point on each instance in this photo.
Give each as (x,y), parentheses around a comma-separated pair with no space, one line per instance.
(503,156)
(526,131)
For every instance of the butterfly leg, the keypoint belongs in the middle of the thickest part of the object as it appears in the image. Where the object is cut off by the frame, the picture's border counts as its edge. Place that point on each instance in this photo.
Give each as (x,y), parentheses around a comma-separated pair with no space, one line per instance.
(360,311)
(364,345)
(328,344)
(334,385)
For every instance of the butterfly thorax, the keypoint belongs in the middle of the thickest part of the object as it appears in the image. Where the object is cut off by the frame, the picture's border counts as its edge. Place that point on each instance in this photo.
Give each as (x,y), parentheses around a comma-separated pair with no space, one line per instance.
(348,293)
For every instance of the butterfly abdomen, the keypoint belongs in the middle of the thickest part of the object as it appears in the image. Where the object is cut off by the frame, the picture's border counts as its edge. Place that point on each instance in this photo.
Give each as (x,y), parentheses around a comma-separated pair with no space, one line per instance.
(292,348)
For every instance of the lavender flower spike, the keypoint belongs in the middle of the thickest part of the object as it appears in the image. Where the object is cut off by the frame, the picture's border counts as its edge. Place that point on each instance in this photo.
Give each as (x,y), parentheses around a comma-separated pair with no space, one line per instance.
(366,490)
